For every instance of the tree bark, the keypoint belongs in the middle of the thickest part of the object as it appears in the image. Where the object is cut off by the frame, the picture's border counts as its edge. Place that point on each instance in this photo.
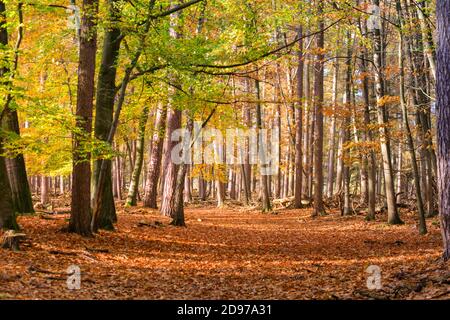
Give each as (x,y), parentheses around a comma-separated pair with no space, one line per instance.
(134,182)
(409,138)
(299,126)
(332,146)
(7,215)
(151,187)
(393,217)
(347,210)
(264,186)
(443,119)
(104,109)
(17,173)
(319,208)
(80,218)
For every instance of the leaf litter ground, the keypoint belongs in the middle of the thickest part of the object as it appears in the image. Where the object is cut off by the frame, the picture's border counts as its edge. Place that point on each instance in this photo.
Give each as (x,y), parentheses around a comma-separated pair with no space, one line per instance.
(227,254)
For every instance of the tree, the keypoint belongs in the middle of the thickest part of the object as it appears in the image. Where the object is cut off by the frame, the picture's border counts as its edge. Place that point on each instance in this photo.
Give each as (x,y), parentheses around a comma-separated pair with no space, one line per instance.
(409,137)
(15,164)
(80,218)
(393,217)
(134,183)
(104,109)
(155,159)
(7,214)
(346,210)
(443,119)
(266,206)
(299,127)
(319,208)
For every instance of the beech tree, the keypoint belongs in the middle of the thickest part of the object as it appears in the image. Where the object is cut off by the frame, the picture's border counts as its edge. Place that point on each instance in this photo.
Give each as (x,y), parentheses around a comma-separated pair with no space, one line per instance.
(443,119)
(80,218)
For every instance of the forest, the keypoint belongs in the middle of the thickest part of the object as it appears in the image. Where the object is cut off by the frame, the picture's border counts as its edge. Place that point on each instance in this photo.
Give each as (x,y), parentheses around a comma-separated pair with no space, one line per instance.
(224,149)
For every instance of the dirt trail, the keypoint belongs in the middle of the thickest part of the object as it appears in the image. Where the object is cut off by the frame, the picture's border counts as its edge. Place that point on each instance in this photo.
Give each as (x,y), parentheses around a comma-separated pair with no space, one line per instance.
(227,254)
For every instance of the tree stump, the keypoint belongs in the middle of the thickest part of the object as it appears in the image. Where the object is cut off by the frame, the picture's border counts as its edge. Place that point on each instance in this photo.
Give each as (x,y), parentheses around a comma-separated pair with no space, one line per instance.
(11,240)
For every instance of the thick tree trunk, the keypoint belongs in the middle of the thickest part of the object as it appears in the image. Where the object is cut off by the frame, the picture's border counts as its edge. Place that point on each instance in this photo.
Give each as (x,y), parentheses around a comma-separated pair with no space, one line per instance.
(170,174)
(175,205)
(154,165)
(17,174)
(7,214)
(443,119)
(80,218)
(104,108)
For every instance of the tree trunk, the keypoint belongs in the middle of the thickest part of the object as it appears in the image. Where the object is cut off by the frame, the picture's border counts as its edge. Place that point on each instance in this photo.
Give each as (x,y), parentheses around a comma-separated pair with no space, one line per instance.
(170,174)
(7,215)
(409,138)
(104,109)
(369,156)
(443,119)
(347,210)
(264,187)
(80,218)
(298,126)
(134,183)
(45,198)
(307,158)
(332,147)
(427,35)
(318,107)
(154,165)
(393,217)
(17,174)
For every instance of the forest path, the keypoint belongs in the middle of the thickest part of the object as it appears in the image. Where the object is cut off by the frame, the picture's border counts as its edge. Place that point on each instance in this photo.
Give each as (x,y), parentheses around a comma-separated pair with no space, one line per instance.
(227,254)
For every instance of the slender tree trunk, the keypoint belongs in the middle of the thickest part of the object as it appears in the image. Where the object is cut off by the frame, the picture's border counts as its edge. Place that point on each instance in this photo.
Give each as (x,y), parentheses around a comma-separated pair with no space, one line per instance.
(61,185)
(307,159)
(136,174)
(427,35)
(399,189)
(266,205)
(369,157)
(45,198)
(299,127)
(393,217)
(331,151)
(409,137)
(318,107)
(347,210)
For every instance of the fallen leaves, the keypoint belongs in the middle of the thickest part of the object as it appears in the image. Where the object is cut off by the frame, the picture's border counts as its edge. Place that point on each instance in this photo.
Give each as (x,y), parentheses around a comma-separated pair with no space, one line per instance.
(227,254)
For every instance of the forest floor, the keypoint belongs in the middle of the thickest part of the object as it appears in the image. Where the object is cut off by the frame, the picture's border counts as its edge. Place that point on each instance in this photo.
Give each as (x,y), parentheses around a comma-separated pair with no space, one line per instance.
(228,253)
